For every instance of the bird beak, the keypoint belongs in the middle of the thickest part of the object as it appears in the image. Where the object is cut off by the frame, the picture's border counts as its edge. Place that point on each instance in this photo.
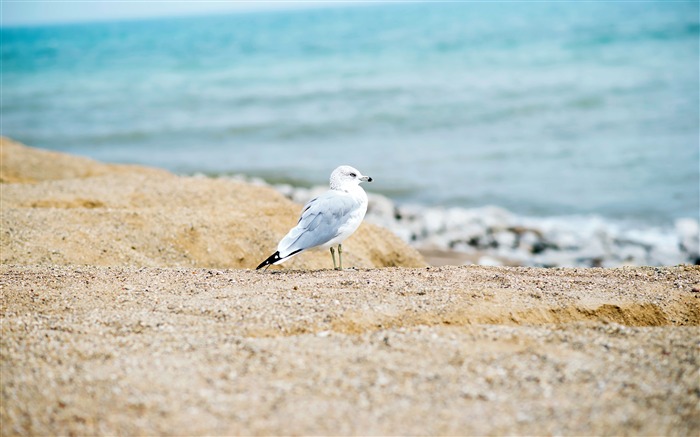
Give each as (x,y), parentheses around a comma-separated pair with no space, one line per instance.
(366,179)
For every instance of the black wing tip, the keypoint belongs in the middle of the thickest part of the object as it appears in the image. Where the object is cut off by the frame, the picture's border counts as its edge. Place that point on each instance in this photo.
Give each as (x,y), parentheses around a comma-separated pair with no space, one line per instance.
(270,260)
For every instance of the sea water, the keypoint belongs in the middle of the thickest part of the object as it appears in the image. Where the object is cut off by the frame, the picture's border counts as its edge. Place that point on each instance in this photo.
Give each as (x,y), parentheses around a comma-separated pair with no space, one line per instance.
(542,108)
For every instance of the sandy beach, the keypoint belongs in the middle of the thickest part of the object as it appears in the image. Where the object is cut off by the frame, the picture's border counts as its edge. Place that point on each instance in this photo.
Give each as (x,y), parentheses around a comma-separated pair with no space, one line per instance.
(129,307)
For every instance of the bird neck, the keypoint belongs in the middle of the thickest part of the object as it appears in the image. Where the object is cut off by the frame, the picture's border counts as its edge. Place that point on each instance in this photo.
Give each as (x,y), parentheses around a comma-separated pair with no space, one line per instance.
(352,189)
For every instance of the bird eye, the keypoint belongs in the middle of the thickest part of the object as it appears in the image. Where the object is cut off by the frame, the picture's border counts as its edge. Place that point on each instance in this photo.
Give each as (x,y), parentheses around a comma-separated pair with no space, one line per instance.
(353,175)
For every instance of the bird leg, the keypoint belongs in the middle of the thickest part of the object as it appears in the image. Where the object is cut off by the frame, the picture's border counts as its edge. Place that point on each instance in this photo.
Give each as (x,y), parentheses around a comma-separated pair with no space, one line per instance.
(333,255)
(340,257)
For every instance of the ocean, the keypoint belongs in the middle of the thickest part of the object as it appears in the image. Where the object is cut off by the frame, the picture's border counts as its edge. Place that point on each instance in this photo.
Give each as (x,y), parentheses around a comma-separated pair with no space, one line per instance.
(547,109)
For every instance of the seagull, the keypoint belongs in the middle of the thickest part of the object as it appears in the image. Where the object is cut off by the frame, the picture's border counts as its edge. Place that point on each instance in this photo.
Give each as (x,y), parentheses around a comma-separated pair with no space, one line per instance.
(328,219)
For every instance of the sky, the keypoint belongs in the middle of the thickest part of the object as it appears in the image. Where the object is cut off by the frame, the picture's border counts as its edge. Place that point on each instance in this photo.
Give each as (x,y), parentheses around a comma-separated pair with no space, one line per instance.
(29,12)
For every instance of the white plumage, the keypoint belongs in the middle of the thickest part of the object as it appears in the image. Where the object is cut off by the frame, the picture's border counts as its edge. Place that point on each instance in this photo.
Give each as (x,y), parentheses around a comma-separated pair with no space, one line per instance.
(327,220)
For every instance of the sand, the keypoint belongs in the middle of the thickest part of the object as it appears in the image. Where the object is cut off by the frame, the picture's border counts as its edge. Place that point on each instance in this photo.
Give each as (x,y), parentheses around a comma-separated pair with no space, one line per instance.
(131,328)
(75,211)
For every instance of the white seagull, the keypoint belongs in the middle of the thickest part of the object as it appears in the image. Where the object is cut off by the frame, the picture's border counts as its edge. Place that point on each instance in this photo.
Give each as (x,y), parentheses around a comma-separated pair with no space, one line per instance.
(328,219)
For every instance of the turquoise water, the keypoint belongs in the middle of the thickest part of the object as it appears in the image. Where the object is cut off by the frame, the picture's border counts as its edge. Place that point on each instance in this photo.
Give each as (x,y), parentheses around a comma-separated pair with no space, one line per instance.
(542,108)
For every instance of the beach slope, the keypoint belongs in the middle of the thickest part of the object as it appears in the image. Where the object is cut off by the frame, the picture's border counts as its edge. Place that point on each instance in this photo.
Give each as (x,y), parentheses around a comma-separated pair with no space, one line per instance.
(59,209)
(128,306)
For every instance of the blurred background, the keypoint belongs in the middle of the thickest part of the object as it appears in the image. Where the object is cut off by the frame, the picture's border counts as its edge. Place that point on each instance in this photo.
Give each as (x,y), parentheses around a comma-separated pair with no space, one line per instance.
(586,112)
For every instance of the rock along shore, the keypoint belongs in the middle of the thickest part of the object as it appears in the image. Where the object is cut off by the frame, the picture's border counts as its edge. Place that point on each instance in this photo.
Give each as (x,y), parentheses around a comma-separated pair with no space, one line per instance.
(491,235)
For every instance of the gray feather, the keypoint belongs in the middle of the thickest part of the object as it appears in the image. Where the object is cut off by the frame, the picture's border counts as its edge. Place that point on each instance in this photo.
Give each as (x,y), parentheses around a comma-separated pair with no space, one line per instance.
(321,220)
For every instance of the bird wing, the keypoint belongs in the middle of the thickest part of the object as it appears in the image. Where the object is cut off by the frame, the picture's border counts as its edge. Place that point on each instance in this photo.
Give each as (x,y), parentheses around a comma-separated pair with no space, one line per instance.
(321,220)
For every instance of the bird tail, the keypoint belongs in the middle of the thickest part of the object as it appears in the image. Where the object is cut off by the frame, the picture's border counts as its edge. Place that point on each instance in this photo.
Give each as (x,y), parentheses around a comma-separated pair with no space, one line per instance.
(275,257)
